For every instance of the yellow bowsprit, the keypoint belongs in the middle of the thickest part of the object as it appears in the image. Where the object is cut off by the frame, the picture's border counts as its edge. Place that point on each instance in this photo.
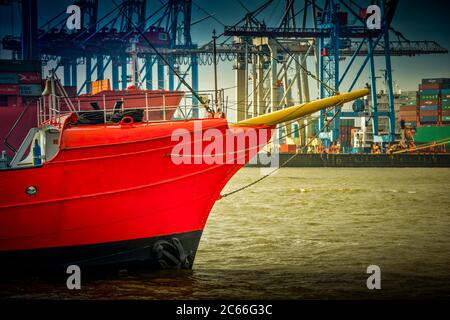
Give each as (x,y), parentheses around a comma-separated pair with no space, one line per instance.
(301,110)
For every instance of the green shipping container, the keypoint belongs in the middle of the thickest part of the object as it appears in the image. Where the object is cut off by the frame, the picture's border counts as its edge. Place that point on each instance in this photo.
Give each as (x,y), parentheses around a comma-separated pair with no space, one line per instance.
(445,118)
(445,107)
(428,97)
(425,134)
(429,91)
(445,93)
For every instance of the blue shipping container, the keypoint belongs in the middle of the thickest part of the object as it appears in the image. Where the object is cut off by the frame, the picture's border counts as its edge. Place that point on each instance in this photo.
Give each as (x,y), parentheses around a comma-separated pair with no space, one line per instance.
(429,108)
(9,78)
(428,119)
(30,90)
(436,80)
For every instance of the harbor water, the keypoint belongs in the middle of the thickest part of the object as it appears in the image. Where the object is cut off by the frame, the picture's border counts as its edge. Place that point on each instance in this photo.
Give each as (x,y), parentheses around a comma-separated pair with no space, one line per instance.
(303,233)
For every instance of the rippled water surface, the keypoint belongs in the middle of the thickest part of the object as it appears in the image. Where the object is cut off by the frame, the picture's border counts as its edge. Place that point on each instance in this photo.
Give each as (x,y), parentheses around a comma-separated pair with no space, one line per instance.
(302,233)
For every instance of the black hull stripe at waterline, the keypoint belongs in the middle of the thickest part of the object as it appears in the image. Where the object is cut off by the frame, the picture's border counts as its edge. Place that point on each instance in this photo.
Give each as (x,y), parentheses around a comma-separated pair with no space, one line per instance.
(170,251)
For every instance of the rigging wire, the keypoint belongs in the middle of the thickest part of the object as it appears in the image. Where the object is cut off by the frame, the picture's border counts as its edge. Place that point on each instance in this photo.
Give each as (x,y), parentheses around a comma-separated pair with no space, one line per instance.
(208,109)
(338,110)
(281,166)
(163,59)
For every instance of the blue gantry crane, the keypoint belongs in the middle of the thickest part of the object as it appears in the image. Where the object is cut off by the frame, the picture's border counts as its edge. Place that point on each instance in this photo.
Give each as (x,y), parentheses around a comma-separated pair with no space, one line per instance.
(339,29)
(334,18)
(110,41)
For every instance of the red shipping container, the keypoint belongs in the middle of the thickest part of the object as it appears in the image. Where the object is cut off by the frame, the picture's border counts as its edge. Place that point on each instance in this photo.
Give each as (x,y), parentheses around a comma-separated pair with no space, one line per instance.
(408,108)
(29,77)
(288,148)
(8,89)
(430,86)
(8,101)
(408,111)
(409,119)
(429,102)
(408,114)
(363,13)
(71,91)
(14,101)
(428,113)
(403,116)
(446,112)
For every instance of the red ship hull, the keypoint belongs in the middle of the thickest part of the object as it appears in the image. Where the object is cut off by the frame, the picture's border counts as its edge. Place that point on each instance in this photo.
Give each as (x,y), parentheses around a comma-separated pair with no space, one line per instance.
(113,194)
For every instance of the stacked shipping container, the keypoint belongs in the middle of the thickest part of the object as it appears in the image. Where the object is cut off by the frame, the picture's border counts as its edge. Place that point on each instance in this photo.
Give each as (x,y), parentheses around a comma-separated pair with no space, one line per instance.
(347,125)
(408,113)
(20,85)
(445,104)
(19,82)
(433,104)
(430,110)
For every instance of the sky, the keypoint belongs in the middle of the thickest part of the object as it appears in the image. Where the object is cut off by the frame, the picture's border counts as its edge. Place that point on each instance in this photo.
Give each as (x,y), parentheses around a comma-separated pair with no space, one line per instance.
(416,20)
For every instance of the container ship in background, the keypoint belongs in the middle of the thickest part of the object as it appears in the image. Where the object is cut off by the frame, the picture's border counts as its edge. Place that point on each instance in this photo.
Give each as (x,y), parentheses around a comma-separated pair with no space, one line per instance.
(428,115)
(422,117)
(21,85)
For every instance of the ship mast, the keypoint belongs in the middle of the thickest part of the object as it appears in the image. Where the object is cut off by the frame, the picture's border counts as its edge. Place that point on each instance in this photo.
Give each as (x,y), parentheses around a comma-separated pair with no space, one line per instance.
(134,63)
(216,102)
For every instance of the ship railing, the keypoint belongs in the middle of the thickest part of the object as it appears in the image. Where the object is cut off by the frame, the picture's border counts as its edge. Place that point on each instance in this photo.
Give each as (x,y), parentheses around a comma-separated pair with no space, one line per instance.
(52,107)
